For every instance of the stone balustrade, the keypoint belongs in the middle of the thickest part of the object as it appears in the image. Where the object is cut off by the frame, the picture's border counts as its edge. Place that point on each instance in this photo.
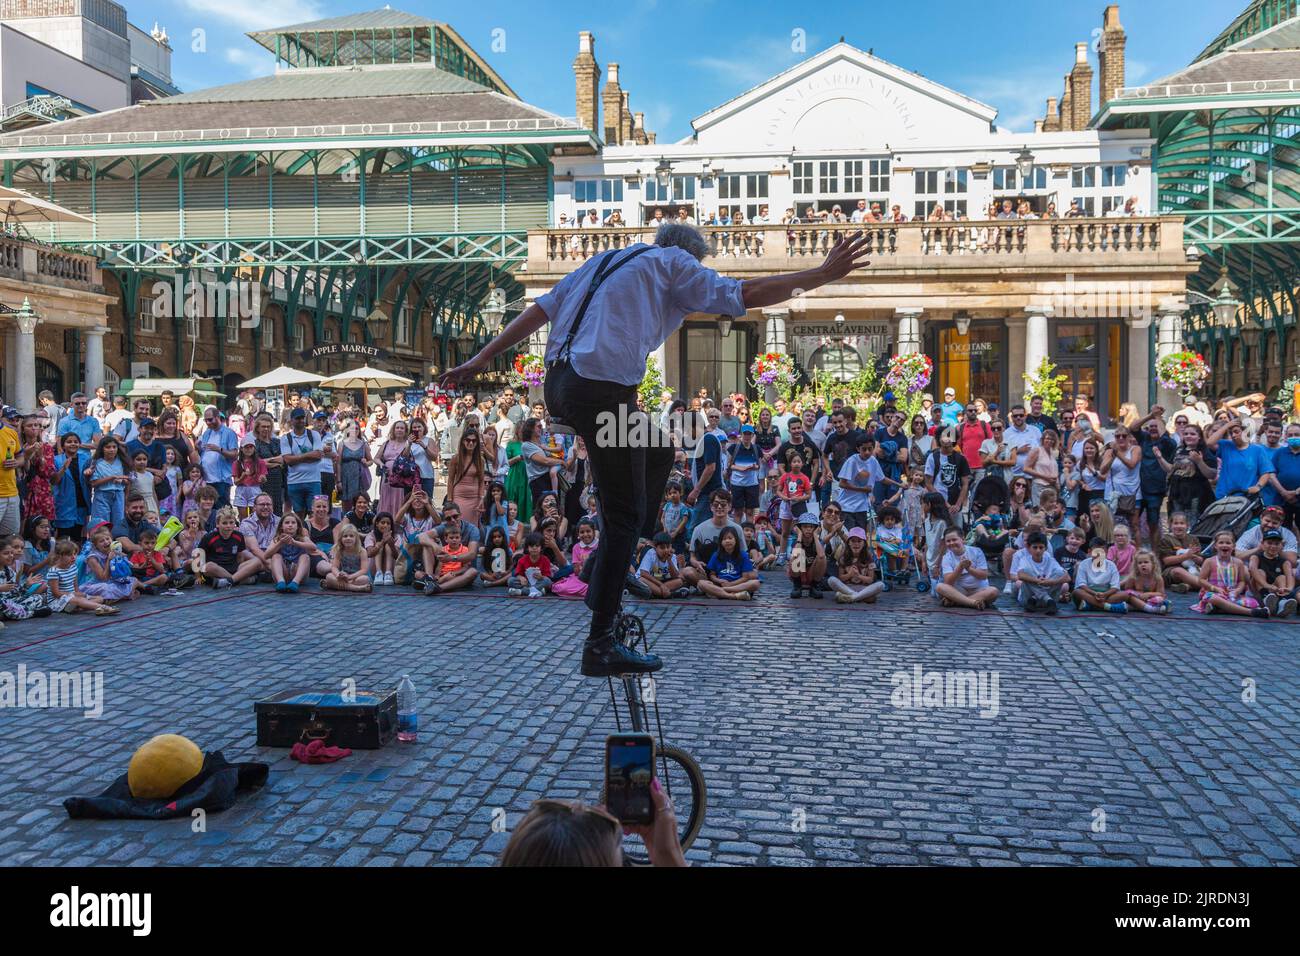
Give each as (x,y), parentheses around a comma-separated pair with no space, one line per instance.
(36,263)
(912,245)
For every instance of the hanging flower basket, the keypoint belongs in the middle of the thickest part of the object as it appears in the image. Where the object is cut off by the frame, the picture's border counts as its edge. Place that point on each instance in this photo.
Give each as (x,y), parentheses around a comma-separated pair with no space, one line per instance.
(909,372)
(529,371)
(774,369)
(1182,372)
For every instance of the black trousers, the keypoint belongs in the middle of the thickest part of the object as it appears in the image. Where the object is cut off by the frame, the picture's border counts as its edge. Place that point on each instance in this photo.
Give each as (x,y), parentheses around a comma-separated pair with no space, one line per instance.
(630,461)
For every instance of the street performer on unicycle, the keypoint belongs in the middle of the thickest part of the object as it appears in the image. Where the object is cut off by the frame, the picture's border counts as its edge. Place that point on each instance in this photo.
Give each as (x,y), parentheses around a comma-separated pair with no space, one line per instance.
(606,318)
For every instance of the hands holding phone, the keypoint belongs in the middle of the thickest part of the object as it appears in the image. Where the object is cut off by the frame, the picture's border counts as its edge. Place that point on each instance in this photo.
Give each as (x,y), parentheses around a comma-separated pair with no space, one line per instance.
(660,837)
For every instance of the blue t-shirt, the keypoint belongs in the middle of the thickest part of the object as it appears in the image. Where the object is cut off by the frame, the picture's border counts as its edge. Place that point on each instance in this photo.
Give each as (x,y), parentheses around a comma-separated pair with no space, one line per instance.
(952,412)
(217,467)
(730,568)
(87,429)
(1287,465)
(1241,468)
(710,454)
(747,478)
(673,514)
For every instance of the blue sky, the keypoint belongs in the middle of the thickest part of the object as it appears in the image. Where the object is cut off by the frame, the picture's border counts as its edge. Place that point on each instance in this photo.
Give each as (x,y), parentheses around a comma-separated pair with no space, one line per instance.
(680,58)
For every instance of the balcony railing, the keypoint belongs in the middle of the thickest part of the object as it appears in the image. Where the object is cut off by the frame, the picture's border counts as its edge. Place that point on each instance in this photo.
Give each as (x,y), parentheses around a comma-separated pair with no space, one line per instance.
(997,242)
(37,263)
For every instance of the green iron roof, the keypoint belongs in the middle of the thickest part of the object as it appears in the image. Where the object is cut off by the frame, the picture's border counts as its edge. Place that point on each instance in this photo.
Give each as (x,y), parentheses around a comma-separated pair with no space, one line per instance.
(385,19)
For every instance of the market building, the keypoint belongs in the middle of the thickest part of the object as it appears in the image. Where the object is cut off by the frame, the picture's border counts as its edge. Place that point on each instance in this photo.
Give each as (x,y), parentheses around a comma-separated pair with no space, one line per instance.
(362,204)
(845,130)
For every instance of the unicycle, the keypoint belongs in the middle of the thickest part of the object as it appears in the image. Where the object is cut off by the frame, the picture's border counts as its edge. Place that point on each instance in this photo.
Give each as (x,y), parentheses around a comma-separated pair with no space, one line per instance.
(678,773)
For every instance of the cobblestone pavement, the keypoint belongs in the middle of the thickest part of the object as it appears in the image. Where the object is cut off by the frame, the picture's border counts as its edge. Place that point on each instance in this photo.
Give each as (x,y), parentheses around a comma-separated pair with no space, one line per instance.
(1117,740)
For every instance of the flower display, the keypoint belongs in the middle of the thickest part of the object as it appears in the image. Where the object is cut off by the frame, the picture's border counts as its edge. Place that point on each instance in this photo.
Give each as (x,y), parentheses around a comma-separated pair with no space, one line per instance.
(1182,372)
(529,371)
(909,372)
(773,368)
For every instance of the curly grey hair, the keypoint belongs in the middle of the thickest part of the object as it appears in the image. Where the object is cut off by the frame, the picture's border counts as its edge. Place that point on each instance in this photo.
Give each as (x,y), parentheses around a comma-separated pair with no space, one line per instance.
(683,237)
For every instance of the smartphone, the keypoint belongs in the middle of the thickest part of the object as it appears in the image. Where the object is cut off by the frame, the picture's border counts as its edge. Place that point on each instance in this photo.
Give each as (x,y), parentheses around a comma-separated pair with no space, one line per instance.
(629,768)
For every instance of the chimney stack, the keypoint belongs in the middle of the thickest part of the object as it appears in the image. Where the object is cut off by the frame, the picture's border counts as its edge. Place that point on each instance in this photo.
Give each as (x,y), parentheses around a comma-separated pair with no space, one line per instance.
(625,121)
(1067,107)
(586,75)
(1052,122)
(1081,88)
(1038,126)
(638,128)
(1111,57)
(612,97)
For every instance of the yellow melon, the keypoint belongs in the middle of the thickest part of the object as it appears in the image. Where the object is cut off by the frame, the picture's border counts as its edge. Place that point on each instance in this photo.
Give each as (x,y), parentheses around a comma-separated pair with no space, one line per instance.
(162,766)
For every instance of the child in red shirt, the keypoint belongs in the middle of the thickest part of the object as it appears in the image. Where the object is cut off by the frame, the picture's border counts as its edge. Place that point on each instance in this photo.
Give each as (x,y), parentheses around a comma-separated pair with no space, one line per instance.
(452,572)
(532,570)
(148,565)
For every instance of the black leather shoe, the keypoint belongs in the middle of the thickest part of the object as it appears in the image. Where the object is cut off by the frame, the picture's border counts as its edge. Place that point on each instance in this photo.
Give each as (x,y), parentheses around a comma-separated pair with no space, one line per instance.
(584,573)
(606,657)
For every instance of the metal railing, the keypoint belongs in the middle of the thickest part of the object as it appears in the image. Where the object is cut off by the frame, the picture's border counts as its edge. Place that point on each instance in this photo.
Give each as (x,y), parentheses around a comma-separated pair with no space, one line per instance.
(796,244)
(37,263)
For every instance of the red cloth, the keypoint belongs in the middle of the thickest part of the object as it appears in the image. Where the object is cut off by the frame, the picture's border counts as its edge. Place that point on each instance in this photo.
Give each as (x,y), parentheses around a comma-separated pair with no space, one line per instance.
(317,752)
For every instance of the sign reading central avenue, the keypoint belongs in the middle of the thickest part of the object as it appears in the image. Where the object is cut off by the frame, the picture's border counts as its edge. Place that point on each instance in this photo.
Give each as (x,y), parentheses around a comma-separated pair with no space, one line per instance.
(368,352)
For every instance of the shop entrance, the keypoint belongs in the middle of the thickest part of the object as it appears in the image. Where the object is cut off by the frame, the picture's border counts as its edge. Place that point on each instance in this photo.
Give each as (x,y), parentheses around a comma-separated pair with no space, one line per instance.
(974,365)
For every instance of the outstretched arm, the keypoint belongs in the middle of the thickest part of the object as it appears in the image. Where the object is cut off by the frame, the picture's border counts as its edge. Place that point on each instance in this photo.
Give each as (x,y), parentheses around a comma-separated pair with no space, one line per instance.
(529,321)
(846,255)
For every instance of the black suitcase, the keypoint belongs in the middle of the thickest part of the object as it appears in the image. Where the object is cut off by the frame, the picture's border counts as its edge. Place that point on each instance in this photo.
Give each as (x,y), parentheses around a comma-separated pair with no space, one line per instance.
(366,721)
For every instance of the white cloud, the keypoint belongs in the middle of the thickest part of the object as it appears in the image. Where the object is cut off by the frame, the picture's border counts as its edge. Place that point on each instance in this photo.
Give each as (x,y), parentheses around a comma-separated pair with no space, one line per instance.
(756,60)
(258,14)
(1020,98)
(255,62)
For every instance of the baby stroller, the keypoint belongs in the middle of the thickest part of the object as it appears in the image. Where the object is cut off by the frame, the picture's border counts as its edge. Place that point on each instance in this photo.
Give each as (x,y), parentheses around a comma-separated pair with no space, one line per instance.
(903,560)
(1233,513)
(991,490)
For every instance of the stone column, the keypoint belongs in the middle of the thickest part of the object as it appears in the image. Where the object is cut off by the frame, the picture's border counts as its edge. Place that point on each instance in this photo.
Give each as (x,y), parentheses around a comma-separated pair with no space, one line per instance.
(24,387)
(94,358)
(909,329)
(1169,339)
(10,335)
(774,340)
(537,346)
(1037,345)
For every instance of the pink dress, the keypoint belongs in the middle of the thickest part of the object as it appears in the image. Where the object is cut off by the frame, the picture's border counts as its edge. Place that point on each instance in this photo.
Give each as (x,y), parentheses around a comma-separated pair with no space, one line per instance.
(1222,577)
(571,585)
(390,497)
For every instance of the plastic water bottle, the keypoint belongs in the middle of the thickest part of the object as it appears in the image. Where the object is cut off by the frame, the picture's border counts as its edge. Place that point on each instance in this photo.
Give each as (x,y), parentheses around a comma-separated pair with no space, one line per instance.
(408,721)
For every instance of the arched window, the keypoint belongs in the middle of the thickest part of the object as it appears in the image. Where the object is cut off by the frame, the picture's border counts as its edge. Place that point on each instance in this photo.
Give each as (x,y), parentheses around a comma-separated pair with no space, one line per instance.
(842,362)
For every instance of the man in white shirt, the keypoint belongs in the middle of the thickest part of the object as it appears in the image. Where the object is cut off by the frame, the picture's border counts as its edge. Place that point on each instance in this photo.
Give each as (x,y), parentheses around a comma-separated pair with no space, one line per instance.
(860,214)
(100,406)
(860,474)
(606,317)
(1022,437)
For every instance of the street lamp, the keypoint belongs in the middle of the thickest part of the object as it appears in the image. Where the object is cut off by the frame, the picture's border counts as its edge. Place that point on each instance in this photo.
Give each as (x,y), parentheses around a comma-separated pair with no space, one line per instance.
(493,309)
(962,320)
(24,315)
(1225,302)
(662,172)
(377,323)
(725,323)
(1025,163)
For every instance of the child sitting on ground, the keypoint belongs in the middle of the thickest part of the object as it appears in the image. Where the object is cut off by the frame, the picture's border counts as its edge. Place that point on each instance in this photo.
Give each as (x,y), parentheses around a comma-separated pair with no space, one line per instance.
(1096,584)
(1017,544)
(572,584)
(207,508)
(150,566)
(455,566)
(99,576)
(855,580)
(290,554)
(763,543)
(731,573)
(1144,588)
(221,549)
(1273,576)
(1069,555)
(494,560)
(532,570)
(381,548)
(349,562)
(21,596)
(1037,575)
(1180,555)
(660,571)
(1225,582)
(807,564)
(832,532)
(65,592)
(1122,551)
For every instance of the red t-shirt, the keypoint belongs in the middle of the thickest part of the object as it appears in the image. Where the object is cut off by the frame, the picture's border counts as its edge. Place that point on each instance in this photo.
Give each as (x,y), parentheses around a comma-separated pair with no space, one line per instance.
(796,485)
(971,435)
(543,564)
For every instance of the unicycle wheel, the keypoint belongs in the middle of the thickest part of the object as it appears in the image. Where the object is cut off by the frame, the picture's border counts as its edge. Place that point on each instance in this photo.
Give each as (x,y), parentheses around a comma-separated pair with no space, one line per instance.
(629,631)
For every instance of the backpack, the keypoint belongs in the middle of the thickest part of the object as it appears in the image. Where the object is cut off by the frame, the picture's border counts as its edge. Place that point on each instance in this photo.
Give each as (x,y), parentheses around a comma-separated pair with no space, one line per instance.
(404,472)
(988,433)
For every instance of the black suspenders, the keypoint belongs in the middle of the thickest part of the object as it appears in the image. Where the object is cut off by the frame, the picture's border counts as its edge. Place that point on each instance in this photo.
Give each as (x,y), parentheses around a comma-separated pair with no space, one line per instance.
(606,269)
